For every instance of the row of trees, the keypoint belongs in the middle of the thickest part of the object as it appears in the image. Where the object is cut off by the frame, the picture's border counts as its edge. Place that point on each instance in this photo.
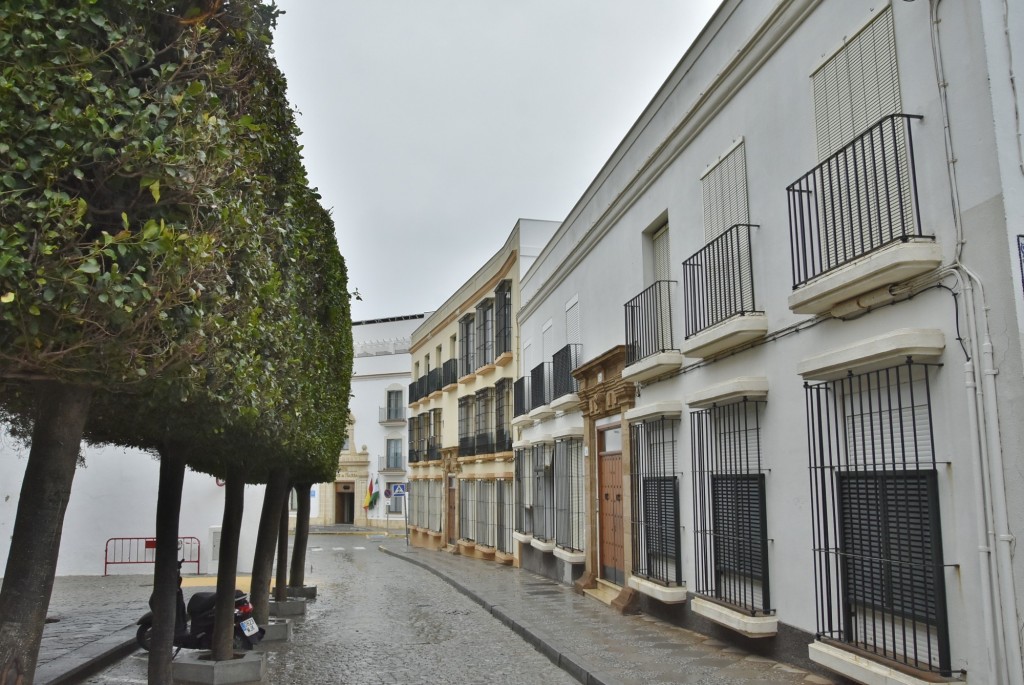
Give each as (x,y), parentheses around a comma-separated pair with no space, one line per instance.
(168,280)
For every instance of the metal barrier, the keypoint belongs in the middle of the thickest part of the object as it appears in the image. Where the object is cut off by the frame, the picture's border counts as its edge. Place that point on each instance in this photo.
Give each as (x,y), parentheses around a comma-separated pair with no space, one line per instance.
(143,551)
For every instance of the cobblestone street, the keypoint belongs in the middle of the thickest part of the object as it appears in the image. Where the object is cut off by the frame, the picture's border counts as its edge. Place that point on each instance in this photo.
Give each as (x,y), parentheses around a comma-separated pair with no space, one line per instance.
(378,619)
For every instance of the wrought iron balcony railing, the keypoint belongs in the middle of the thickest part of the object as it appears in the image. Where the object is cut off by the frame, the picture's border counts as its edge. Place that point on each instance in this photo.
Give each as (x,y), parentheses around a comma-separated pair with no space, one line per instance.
(450,372)
(391,414)
(541,385)
(718,281)
(432,448)
(433,381)
(467,445)
(485,443)
(521,396)
(390,462)
(860,199)
(563,363)
(649,322)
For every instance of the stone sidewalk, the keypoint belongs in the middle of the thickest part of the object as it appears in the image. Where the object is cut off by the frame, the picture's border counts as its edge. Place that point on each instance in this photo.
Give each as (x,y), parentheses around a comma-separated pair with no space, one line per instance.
(591,641)
(96,617)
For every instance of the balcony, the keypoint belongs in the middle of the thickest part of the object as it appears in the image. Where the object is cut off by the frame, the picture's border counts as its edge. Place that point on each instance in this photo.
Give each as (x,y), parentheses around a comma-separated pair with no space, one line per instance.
(855,223)
(541,391)
(417,390)
(484,443)
(433,383)
(650,347)
(564,386)
(718,295)
(432,449)
(391,415)
(521,401)
(467,445)
(450,374)
(391,462)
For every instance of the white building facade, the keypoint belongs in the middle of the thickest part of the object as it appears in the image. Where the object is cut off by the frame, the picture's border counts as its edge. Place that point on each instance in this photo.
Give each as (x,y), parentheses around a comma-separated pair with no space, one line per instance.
(772,360)
(376,450)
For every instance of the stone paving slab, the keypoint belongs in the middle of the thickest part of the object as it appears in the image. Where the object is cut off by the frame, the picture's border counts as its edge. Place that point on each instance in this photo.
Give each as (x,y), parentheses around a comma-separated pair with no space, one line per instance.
(593,642)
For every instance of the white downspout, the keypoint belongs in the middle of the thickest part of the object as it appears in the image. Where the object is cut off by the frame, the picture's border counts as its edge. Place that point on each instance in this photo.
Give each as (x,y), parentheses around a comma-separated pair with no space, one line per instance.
(984,414)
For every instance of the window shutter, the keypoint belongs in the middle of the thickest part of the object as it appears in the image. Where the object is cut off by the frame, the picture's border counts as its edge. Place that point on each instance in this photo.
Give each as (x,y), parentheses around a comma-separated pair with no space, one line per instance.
(662,268)
(724,190)
(857,86)
(572,323)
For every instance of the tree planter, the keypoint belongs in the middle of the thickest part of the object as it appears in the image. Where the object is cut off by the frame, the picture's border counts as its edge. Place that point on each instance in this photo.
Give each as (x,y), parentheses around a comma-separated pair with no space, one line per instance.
(278,630)
(305,592)
(289,607)
(201,669)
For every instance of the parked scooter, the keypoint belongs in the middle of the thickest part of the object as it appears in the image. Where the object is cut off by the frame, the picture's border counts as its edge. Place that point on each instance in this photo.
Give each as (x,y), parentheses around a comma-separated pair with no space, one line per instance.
(193,626)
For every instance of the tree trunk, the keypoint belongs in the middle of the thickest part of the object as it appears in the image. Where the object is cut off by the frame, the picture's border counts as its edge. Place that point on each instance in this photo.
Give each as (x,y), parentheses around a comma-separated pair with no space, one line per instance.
(266,539)
(164,602)
(227,568)
(60,418)
(281,589)
(297,577)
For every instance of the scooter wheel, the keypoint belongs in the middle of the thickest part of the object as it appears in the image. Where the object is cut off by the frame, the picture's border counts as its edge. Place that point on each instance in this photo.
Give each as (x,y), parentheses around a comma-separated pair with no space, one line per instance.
(144,636)
(240,642)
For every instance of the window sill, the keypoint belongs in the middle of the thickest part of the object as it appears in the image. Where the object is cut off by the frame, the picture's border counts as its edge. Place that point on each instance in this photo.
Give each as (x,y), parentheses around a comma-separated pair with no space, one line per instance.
(668,595)
(485,369)
(524,538)
(468,379)
(862,669)
(521,420)
(566,403)
(892,264)
(751,626)
(504,359)
(875,353)
(541,413)
(726,335)
(570,557)
(543,545)
(653,366)
(450,387)
(735,390)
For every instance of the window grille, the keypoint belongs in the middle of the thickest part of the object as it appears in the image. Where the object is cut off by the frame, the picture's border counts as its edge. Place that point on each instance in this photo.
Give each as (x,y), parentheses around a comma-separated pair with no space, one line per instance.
(467,346)
(485,333)
(414,453)
(503,318)
(503,415)
(524,490)
(541,385)
(485,421)
(543,492)
(467,438)
(563,363)
(877,531)
(395,503)
(505,515)
(655,500)
(569,494)
(434,505)
(485,513)
(434,444)
(426,443)
(449,373)
(521,396)
(467,509)
(731,535)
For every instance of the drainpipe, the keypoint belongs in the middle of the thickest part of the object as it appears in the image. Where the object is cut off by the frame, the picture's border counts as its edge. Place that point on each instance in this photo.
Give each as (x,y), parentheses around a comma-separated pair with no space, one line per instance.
(994,527)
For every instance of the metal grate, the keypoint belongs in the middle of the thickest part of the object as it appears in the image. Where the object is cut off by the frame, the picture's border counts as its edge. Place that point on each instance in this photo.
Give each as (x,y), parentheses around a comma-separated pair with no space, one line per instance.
(649,322)
(860,199)
(524,490)
(467,438)
(655,500)
(505,515)
(467,509)
(877,530)
(718,281)
(467,346)
(503,415)
(450,372)
(731,536)
(570,495)
(521,396)
(485,513)
(563,363)
(484,443)
(503,318)
(540,385)
(485,333)
(434,505)
(543,493)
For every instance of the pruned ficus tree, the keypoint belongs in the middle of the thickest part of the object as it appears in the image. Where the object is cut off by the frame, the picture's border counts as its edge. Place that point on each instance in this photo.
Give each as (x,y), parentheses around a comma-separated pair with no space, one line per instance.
(122,203)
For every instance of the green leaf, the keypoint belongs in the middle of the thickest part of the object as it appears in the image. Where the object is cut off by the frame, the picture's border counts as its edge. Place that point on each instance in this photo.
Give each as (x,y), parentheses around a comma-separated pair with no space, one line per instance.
(151,230)
(195,88)
(34,310)
(80,211)
(89,267)
(7,298)
(154,189)
(124,220)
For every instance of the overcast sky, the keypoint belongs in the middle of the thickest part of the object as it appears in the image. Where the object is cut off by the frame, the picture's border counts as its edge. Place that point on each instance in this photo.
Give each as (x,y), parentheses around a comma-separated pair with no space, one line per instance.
(431,126)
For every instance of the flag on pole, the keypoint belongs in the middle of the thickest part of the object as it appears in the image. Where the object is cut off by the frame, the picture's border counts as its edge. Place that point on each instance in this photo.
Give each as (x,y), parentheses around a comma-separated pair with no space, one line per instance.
(371,496)
(375,493)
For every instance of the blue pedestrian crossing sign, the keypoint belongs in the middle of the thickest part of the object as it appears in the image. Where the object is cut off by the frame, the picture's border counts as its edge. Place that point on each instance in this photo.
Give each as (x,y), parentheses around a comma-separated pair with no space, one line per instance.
(398,490)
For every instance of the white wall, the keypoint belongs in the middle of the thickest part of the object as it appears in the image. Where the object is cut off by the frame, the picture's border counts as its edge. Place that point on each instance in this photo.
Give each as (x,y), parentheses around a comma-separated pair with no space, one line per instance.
(114,495)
